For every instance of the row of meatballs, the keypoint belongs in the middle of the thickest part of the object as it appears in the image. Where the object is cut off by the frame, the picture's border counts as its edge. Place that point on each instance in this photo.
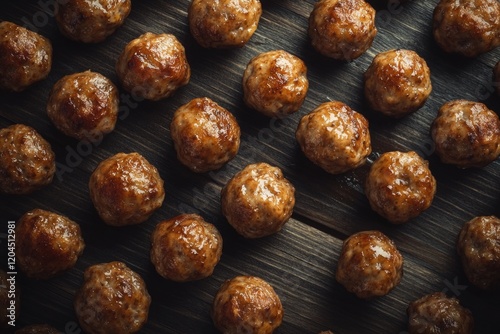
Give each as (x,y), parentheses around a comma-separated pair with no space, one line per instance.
(114,299)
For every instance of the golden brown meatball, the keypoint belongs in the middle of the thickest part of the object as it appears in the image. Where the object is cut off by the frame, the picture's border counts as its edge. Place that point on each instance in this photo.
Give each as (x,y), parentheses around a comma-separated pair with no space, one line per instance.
(435,313)
(205,135)
(27,162)
(397,82)
(369,264)
(223,23)
(466,134)
(246,304)
(275,83)
(126,189)
(334,137)
(258,200)
(84,104)
(496,77)
(25,57)
(479,250)
(112,299)
(185,248)
(400,186)
(38,329)
(153,66)
(47,243)
(467,27)
(342,29)
(91,21)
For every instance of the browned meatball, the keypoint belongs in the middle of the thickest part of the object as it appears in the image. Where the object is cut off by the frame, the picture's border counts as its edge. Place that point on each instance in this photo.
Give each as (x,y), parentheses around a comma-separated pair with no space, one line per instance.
(342,29)
(153,66)
(84,104)
(25,57)
(205,135)
(275,83)
(479,249)
(397,82)
(126,189)
(496,77)
(435,313)
(27,162)
(112,299)
(38,329)
(467,27)
(400,186)
(466,134)
(334,137)
(223,23)
(369,264)
(91,21)
(258,200)
(247,304)
(185,248)
(47,243)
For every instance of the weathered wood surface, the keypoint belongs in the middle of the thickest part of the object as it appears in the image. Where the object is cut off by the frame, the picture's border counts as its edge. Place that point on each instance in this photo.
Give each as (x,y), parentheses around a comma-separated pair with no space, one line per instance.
(299,261)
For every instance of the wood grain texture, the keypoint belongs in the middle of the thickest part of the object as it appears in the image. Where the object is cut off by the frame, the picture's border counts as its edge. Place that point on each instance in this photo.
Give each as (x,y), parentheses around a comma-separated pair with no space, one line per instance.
(300,260)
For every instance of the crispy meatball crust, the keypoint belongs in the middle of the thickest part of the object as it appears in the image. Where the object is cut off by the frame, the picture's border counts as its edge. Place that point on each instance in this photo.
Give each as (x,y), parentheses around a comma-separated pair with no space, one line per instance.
(38,329)
(112,299)
(258,200)
(205,135)
(47,243)
(435,313)
(466,134)
(25,57)
(334,137)
(479,249)
(185,248)
(275,83)
(369,264)
(153,66)
(342,29)
(467,27)
(397,82)
(126,189)
(246,304)
(223,23)
(91,21)
(84,104)
(27,162)
(400,186)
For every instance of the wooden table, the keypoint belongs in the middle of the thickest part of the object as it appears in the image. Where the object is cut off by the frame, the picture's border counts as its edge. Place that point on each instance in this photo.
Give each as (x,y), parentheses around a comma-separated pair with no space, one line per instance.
(299,261)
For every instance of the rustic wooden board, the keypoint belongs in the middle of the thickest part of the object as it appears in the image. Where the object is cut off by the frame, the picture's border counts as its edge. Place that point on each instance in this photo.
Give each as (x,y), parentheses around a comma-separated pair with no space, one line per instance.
(299,261)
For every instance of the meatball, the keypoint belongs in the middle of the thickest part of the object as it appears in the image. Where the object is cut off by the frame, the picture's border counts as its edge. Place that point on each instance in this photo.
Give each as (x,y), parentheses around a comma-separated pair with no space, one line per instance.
(185,248)
(126,189)
(436,313)
(223,23)
(275,83)
(400,186)
(112,299)
(334,137)
(496,77)
(91,21)
(38,329)
(83,105)
(467,27)
(397,82)
(369,264)
(153,66)
(478,247)
(205,135)
(8,312)
(25,57)
(47,243)
(27,162)
(258,200)
(246,304)
(342,29)
(466,134)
